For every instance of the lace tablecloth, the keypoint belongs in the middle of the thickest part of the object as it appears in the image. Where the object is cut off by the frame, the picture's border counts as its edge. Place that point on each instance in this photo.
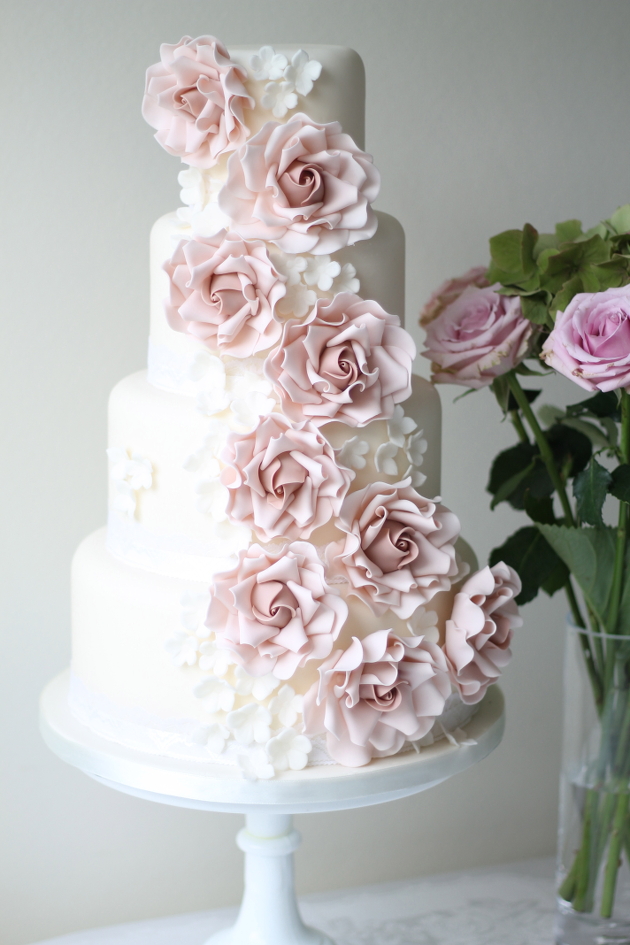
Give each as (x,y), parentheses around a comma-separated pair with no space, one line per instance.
(507,905)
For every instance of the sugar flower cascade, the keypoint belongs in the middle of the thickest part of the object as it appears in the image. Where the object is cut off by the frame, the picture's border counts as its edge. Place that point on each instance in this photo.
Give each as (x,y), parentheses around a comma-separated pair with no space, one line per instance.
(347,618)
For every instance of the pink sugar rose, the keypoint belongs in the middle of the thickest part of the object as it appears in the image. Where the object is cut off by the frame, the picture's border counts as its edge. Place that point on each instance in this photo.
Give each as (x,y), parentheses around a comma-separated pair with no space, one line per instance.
(223,290)
(283,479)
(348,361)
(450,291)
(275,611)
(195,98)
(480,336)
(398,551)
(303,186)
(590,343)
(480,629)
(377,694)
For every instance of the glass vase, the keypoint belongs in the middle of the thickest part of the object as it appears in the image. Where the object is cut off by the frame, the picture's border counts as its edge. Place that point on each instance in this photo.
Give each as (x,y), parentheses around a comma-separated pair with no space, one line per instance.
(593,878)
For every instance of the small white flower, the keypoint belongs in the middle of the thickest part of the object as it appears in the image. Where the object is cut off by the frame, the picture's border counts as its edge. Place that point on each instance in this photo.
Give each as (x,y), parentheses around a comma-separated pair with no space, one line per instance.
(424,623)
(194,606)
(124,498)
(258,686)
(206,456)
(286,706)
(214,658)
(346,281)
(243,377)
(268,64)
(291,267)
(210,402)
(302,72)
(297,302)
(216,694)
(417,478)
(255,765)
(137,471)
(233,538)
(208,367)
(213,737)
(212,498)
(321,271)
(250,724)
(457,737)
(279,98)
(416,448)
(384,459)
(183,648)
(288,750)
(248,409)
(206,222)
(400,426)
(352,453)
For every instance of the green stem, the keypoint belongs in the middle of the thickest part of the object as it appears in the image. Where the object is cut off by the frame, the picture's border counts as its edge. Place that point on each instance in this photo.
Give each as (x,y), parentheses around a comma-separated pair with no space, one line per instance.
(614,851)
(622,526)
(515,417)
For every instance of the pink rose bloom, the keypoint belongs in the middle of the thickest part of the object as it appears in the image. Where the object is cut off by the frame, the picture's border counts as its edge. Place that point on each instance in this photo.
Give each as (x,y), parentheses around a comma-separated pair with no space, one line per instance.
(195,98)
(590,343)
(478,337)
(348,361)
(377,694)
(303,186)
(275,611)
(283,478)
(223,290)
(451,290)
(480,629)
(398,551)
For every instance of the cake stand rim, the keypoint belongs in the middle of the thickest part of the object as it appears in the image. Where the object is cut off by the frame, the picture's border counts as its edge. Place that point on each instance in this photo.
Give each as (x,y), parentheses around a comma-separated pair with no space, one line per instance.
(221,788)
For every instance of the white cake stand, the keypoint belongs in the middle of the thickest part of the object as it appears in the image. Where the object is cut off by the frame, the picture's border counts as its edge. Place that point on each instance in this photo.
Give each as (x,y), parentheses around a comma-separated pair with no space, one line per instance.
(269,914)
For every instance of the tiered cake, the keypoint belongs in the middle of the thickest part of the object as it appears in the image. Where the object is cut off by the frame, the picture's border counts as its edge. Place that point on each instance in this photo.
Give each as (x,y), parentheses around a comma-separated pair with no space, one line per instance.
(277,585)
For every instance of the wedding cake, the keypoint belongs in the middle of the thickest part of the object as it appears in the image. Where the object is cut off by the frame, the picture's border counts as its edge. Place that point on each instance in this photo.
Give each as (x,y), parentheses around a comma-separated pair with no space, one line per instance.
(278,585)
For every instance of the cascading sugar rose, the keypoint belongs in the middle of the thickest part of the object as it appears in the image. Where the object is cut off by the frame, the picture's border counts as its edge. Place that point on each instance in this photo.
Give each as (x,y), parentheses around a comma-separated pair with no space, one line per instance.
(377,694)
(480,336)
(304,186)
(283,479)
(349,361)
(275,610)
(195,98)
(590,343)
(398,551)
(223,290)
(480,629)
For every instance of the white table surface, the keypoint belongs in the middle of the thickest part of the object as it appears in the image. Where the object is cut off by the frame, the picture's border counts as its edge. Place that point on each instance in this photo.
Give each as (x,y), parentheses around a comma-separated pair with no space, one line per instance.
(508,905)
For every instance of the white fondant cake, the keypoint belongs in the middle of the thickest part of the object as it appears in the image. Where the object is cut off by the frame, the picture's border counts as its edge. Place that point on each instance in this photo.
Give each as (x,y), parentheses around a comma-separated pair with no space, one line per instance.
(277,585)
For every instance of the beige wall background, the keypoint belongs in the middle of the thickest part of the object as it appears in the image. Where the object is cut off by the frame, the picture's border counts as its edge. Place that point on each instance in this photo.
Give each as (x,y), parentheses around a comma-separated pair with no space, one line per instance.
(480,116)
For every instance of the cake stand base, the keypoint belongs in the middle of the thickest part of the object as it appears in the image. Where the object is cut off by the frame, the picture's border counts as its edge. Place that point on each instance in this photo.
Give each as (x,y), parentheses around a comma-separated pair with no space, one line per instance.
(269,914)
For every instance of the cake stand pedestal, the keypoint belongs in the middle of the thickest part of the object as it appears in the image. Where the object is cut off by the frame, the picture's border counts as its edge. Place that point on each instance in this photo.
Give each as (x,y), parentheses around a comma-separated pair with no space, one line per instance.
(269,914)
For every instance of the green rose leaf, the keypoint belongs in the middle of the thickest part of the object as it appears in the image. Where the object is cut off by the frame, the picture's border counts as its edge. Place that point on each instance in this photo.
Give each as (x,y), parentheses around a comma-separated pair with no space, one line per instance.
(528,552)
(571,449)
(540,510)
(589,553)
(568,231)
(535,308)
(620,220)
(509,465)
(620,483)
(601,404)
(505,251)
(590,488)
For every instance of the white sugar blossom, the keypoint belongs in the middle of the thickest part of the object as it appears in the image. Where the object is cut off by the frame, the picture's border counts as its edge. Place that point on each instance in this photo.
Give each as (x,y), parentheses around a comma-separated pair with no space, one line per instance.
(255,765)
(212,498)
(400,426)
(216,695)
(416,448)
(457,737)
(279,98)
(346,281)
(384,459)
(250,407)
(321,271)
(302,72)
(258,686)
(199,192)
(288,750)
(268,64)
(214,659)
(286,705)
(194,607)
(233,538)
(136,470)
(297,302)
(291,267)
(213,737)
(352,453)
(250,724)
(124,498)
(183,648)
(243,377)
(205,458)
(417,478)
(424,623)
(207,367)
(213,401)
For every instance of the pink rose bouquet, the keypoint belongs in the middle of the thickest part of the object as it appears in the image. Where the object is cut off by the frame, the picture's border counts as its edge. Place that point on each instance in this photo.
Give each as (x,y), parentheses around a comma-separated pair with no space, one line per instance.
(450,291)
(348,361)
(195,98)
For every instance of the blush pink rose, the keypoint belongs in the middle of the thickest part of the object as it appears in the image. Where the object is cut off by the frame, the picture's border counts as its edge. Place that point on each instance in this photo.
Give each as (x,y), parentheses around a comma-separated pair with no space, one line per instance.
(480,629)
(223,290)
(348,361)
(283,479)
(275,611)
(303,186)
(398,551)
(590,343)
(450,291)
(480,336)
(376,695)
(195,98)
